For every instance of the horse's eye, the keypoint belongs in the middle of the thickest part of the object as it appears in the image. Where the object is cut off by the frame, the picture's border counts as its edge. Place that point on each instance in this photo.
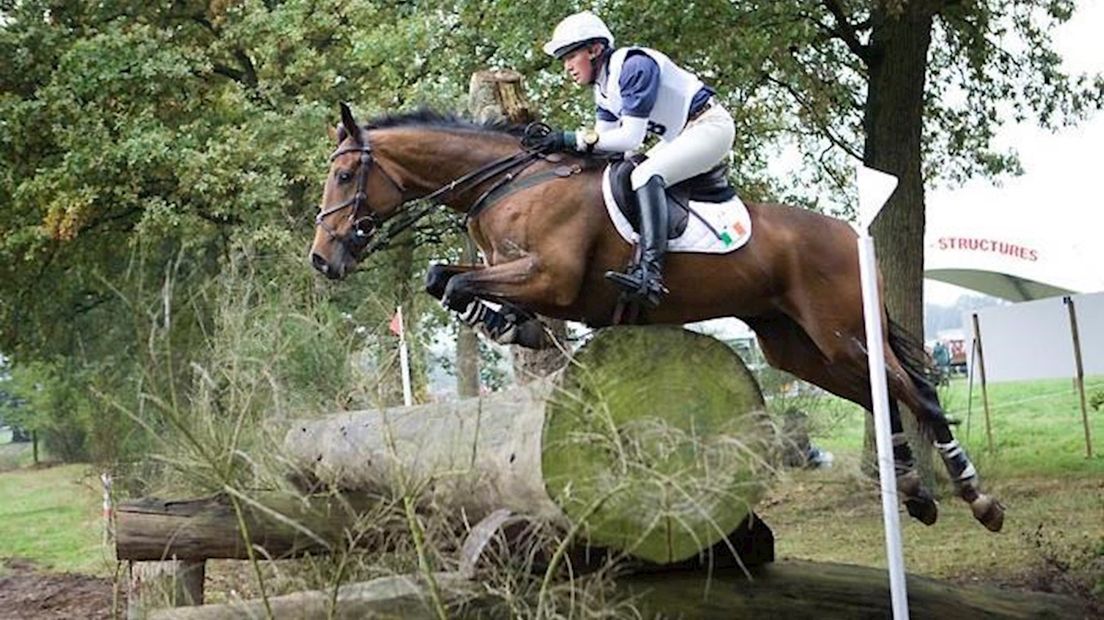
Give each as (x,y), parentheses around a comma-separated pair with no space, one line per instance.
(344,176)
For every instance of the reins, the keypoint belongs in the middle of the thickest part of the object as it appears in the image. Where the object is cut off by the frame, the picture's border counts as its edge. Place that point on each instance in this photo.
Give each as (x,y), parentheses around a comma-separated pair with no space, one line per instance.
(408,212)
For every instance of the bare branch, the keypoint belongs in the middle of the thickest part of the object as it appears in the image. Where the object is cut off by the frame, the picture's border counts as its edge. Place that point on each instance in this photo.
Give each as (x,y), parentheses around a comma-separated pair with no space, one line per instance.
(825,127)
(846,31)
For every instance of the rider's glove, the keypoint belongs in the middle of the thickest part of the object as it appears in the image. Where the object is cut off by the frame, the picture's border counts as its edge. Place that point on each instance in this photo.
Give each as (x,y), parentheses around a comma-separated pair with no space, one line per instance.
(540,137)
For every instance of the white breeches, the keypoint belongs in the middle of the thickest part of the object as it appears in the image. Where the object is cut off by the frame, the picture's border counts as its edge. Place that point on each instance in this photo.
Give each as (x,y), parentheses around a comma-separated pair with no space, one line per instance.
(703,143)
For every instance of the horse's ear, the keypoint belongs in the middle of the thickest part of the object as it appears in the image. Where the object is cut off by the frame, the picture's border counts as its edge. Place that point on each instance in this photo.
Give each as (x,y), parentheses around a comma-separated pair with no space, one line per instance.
(349,123)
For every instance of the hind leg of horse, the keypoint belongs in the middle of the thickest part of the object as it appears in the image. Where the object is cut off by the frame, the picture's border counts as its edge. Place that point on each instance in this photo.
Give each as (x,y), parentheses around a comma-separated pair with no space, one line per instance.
(787,346)
(924,401)
(843,344)
(507,325)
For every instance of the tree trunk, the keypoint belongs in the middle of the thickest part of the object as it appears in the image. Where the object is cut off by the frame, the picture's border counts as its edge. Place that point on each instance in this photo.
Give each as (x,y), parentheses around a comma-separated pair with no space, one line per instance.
(660,459)
(173,583)
(801,589)
(500,95)
(401,596)
(893,122)
(467,346)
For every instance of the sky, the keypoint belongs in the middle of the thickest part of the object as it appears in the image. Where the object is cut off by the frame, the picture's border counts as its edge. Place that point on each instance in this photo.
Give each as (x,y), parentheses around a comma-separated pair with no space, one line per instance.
(1062,174)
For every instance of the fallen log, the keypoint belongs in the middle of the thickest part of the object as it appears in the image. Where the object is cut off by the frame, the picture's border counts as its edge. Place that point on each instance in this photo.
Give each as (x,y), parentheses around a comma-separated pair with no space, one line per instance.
(653,441)
(402,596)
(278,526)
(803,589)
(786,589)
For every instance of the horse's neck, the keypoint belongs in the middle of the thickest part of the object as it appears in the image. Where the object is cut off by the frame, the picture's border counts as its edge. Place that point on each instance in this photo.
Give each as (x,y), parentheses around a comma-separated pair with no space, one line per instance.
(427,159)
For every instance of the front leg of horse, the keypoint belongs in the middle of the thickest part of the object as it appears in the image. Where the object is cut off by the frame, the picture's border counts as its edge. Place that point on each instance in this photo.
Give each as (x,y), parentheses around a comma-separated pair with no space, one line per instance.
(507,325)
(918,500)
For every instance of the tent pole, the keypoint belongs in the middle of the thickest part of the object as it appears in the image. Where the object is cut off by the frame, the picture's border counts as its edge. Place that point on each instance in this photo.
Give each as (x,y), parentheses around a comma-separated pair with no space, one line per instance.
(1079,380)
(984,386)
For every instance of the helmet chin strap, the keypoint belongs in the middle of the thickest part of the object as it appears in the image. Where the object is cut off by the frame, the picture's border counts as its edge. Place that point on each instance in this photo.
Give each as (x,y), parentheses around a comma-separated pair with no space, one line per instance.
(596,62)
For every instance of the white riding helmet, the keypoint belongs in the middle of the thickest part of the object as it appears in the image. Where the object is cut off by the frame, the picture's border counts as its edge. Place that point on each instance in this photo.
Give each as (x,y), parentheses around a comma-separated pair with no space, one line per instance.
(575,31)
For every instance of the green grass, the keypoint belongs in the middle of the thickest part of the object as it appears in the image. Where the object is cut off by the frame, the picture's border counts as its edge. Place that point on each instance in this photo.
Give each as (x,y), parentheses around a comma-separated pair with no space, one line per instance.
(1054,495)
(1036,426)
(51,516)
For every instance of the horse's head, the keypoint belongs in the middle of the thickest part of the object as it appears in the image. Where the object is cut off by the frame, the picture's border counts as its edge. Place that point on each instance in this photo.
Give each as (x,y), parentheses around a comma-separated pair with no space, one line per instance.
(358,197)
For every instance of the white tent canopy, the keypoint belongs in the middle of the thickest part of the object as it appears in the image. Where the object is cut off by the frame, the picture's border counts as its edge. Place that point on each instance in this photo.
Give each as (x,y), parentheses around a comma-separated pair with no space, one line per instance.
(1006,251)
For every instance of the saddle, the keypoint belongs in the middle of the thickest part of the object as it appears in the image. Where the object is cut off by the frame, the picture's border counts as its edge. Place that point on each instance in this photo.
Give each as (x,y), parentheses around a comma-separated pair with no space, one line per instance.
(709,186)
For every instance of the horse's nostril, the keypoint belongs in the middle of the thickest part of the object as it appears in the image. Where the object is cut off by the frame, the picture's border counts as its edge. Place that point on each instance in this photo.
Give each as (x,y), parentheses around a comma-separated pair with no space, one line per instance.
(319,263)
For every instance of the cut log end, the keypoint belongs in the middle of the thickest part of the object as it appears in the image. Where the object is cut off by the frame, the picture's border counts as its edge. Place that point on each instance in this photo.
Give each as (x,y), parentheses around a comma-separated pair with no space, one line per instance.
(657,440)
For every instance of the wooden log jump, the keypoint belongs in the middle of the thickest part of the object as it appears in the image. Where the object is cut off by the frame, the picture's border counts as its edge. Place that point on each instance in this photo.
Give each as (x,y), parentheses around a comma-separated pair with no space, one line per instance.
(653,441)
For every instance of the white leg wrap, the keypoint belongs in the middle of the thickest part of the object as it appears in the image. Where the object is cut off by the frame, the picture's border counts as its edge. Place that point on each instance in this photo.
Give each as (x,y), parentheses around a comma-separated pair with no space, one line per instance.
(961,469)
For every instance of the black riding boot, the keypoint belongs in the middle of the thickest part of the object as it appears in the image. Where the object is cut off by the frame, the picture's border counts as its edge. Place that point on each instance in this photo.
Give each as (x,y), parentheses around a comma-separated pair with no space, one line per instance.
(644,280)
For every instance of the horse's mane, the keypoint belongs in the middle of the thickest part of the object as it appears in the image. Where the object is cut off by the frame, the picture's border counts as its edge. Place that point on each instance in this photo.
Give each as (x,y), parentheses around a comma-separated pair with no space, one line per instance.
(444,120)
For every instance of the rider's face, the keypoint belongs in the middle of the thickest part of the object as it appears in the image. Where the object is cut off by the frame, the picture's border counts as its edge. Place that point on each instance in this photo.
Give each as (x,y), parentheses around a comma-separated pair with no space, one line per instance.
(578,65)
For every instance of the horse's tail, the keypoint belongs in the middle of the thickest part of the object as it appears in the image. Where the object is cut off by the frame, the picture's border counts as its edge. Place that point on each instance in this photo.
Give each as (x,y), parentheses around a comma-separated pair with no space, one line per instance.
(921,369)
(910,351)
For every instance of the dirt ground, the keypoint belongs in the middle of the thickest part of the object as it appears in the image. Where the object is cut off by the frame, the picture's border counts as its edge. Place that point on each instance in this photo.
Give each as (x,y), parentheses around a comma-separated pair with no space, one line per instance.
(26,593)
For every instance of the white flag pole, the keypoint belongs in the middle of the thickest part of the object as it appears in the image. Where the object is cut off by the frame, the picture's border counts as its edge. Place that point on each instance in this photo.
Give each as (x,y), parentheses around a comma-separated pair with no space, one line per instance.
(105,479)
(875,189)
(404,361)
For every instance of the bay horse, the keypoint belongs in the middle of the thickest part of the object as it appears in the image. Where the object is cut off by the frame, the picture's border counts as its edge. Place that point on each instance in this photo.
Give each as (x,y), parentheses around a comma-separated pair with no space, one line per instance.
(541,224)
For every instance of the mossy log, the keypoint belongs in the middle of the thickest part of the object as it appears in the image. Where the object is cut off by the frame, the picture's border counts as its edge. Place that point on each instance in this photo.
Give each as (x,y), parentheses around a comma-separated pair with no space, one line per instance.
(653,441)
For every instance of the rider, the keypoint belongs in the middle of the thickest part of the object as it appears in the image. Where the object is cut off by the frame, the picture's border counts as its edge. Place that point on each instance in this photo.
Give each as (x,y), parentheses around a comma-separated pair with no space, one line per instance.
(639,90)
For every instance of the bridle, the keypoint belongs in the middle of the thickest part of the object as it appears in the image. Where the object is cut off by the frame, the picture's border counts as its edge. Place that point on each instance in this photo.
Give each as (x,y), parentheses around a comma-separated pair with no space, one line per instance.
(362,225)
(373,232)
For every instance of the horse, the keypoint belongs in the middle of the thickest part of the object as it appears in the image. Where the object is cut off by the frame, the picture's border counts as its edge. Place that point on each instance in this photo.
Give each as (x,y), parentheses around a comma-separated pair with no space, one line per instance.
(542,227)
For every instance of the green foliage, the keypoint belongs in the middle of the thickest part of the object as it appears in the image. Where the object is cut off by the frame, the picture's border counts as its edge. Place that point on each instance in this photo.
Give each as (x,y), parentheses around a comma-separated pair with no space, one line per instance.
(53,407)
(1096,400)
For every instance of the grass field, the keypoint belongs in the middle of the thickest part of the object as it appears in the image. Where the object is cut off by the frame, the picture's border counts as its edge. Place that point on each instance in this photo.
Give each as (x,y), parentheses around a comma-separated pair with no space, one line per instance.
(51,516)
(1054,495)
(1036,426)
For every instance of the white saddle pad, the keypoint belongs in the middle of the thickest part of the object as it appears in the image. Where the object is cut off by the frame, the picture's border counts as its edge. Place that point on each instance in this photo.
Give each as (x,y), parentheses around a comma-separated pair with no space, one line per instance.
(713,228)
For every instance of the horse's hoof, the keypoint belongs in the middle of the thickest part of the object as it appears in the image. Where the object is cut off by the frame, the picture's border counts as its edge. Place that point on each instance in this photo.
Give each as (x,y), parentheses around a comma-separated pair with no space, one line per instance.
(531,335)
(989,511)
(437,278)
(923,509)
